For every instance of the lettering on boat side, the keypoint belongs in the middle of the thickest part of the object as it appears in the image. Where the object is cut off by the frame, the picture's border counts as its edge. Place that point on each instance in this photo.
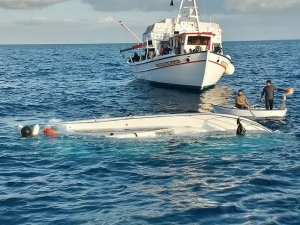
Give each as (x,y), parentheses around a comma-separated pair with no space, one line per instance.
(164,133)
(170,63)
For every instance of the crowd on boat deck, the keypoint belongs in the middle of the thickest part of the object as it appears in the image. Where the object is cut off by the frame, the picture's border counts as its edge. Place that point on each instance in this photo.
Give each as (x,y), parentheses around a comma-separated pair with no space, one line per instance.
(165,50)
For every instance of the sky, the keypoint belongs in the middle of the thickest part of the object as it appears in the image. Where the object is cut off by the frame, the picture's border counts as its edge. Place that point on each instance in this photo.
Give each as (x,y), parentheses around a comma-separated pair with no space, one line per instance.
(96,21)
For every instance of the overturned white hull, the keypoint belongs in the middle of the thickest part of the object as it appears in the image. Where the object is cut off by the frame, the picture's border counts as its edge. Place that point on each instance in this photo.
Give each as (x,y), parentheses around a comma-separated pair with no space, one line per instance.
(256,112)
(162,125)
(195,70)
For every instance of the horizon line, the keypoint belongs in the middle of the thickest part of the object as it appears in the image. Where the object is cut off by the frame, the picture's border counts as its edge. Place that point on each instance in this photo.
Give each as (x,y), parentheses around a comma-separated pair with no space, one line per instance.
(111,43)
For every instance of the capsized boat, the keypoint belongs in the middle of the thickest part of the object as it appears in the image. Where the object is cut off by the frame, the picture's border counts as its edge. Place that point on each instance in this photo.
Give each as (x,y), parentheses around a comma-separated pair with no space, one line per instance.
(182,51)
(163,125)
(251,113)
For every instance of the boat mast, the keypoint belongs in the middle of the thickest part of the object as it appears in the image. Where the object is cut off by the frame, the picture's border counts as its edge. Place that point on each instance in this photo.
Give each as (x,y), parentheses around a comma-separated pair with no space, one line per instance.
(193,12)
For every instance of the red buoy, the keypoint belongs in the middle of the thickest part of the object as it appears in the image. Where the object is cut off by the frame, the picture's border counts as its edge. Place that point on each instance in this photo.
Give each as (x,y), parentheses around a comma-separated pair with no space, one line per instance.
(50,131)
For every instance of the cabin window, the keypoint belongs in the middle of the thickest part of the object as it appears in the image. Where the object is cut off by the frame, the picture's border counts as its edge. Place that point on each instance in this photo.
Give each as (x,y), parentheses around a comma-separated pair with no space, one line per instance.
(198,40)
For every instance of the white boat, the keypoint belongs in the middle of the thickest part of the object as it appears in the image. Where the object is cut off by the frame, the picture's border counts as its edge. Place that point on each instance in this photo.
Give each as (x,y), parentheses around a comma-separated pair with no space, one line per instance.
(182,51)
(253,113)
(162,125)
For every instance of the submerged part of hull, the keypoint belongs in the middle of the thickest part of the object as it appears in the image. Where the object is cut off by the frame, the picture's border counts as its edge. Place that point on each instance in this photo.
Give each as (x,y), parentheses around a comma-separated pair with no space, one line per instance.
(162,125)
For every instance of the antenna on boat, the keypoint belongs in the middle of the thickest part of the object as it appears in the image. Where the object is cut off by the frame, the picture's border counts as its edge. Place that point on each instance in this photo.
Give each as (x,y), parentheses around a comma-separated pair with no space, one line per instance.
(192,13)
(196,12)
(136,37)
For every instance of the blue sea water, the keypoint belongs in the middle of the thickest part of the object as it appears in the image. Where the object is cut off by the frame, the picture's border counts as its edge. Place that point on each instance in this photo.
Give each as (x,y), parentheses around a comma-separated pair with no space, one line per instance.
(81,179)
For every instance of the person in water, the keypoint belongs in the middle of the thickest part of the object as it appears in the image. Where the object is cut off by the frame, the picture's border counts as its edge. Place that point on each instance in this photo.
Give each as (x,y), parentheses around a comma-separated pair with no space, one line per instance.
(241,101)
(268,93)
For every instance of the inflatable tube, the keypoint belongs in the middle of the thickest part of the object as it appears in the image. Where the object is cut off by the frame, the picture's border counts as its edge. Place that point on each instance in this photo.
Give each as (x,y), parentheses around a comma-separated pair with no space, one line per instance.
(50,132)
(230,69)
(224,64)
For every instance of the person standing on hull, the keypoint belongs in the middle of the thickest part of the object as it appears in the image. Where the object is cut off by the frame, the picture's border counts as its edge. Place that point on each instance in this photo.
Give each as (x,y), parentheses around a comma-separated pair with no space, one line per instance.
(268,92)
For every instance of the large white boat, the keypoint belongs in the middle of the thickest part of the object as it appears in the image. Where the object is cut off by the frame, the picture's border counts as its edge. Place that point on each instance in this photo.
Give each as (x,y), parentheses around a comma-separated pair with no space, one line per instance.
(183,51)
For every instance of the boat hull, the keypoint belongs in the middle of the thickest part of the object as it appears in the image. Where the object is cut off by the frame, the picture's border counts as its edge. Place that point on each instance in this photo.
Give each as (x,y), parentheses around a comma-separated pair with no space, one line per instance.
(256,112)
(162,125)
(196,70)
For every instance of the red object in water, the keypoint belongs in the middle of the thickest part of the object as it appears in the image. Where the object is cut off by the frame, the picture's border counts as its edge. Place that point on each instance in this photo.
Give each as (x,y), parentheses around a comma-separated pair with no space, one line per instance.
(50,131)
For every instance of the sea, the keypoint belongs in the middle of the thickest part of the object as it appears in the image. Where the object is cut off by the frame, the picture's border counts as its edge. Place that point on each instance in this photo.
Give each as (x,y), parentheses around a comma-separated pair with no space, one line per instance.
(84,179)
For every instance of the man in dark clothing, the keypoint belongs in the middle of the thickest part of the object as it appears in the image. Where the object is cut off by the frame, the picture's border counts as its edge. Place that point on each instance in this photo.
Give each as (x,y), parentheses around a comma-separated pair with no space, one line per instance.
(268,92)
(135,57)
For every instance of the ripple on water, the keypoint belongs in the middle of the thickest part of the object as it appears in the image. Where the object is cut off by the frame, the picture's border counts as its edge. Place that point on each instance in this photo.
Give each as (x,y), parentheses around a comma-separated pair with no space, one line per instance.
(78,179)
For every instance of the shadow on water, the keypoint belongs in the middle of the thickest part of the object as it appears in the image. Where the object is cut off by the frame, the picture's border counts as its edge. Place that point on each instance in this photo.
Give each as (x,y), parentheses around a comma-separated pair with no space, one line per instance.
(167,99)
(159,99)
(220,94)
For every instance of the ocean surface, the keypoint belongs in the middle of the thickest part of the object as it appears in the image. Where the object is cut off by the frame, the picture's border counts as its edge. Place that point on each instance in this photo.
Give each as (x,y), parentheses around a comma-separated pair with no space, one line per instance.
(82,179)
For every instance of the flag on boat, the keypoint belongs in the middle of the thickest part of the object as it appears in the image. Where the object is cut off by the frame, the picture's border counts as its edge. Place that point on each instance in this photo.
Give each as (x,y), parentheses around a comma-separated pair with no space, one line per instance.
(132,47)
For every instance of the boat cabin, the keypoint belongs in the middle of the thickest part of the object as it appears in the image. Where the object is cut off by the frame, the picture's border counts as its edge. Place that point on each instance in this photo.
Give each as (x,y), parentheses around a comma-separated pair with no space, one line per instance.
(191,42)
(184,43)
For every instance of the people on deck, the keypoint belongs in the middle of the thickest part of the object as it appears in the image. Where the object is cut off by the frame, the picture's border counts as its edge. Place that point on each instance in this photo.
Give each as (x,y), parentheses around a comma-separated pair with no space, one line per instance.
(135,57)
(197,49)
(218,50)
(241,101)
(268,93)
(165,50)
(151,54)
